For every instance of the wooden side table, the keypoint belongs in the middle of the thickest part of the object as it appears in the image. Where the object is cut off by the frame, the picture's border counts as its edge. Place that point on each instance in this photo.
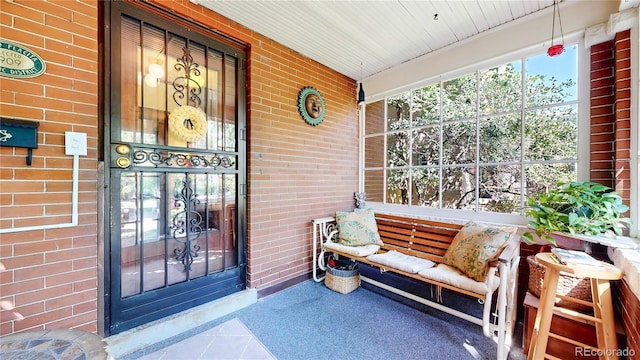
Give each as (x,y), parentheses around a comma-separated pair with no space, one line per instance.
(601,303)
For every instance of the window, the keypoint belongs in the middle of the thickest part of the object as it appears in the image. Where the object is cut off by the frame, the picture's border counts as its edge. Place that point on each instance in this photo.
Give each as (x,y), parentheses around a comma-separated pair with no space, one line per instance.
(480,141)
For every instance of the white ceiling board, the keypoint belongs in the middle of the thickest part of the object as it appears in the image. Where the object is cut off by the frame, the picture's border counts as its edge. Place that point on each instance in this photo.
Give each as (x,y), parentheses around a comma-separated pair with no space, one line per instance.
(497,42)
(360,38)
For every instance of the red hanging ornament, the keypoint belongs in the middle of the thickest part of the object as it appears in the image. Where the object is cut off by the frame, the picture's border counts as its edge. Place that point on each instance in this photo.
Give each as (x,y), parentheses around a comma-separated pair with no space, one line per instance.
(557,49)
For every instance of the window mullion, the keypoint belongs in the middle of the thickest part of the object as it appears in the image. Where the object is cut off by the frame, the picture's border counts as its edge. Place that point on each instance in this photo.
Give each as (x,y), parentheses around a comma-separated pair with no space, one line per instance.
(410,150)
(523,99)
(477,152)
(385,163)
(441,150)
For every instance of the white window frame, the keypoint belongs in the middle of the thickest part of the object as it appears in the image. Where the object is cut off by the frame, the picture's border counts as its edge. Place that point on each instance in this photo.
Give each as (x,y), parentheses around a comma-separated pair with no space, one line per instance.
(461,216)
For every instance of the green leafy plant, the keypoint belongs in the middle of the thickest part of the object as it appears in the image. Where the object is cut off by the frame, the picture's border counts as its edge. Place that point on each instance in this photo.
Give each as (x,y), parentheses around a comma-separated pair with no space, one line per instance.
(584,208)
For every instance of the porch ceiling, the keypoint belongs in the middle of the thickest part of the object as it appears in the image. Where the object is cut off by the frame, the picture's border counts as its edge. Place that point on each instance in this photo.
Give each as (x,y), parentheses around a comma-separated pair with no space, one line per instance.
(362,38)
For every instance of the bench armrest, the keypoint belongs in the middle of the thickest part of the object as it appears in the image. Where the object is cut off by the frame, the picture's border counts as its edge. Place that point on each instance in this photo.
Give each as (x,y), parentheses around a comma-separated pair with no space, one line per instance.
(511,251)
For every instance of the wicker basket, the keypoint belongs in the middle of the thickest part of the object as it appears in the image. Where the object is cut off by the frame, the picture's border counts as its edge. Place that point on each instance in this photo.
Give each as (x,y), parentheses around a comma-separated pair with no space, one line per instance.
(342,281)
(568,285)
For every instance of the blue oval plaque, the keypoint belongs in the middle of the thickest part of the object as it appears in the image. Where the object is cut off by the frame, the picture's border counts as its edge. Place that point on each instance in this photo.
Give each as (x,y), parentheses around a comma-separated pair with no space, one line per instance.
(17,61)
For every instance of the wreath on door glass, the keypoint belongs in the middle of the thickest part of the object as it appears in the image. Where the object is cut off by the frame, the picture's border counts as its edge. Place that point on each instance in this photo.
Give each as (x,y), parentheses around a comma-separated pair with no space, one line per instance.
(188,123)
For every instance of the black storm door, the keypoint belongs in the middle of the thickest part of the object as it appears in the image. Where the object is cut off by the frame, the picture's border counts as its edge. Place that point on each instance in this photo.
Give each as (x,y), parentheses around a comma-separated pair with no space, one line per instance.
(176,174)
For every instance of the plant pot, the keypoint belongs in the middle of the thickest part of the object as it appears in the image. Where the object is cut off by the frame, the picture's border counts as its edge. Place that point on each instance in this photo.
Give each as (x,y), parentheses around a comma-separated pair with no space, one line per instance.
(565,241)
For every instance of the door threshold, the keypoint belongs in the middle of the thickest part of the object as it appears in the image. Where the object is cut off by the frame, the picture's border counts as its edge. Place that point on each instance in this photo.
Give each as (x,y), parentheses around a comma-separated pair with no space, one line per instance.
(121,345)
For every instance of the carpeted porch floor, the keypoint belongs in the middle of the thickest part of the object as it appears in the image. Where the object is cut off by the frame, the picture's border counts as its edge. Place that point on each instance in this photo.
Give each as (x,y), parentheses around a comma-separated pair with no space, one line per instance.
(310,321)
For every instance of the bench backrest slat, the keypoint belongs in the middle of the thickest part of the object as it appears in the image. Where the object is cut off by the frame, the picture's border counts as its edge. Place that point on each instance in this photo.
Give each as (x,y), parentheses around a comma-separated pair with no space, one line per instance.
(422,238)
(416,240)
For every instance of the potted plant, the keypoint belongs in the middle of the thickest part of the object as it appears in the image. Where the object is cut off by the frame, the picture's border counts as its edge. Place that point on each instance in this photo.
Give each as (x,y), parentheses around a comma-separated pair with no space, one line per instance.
(576,208)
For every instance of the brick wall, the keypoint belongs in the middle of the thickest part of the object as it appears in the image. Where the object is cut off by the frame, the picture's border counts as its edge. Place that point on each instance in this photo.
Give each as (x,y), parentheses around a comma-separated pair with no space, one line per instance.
(627,304)
(622,142)
(602,113)
(48,278)
(611,113)
(374,151)
(629,312)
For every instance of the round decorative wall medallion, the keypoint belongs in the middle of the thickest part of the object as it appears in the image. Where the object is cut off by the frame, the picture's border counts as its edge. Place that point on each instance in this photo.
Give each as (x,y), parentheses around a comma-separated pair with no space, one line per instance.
(311,105)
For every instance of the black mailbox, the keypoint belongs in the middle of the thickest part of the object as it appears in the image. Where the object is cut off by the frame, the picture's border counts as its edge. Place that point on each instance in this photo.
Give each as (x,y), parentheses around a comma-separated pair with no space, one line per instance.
(19,133)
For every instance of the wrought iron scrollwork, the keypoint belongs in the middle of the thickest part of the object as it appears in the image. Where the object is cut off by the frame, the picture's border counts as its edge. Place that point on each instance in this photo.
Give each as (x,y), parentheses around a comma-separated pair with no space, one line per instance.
(173,159)
(186,85)
(187,224)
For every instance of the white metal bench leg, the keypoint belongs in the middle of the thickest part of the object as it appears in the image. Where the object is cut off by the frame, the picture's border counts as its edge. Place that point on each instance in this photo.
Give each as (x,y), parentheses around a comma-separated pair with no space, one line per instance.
(486,311)
(502,310)
(318,252)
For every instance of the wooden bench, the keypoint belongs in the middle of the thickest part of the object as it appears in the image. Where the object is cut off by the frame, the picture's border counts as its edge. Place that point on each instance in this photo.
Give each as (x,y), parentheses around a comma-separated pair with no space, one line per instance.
(430,240)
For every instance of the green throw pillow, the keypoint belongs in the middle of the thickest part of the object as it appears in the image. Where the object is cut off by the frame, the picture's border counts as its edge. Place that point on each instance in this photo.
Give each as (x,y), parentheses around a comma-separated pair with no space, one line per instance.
(357,228)
(475,246)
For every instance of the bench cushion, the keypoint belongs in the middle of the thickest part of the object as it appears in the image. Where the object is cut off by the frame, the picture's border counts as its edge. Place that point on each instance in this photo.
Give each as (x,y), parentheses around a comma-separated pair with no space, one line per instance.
(360,251)
(449,275)
(475,246)
(357,228)
(400,261)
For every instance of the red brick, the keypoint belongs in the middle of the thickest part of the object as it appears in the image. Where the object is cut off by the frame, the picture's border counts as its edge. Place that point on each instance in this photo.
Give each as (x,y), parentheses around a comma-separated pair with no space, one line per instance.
(86,263)
(18,262)
(90,327)
(35,174)
(80,230)
(75,253)
(37,321)
(601,76)
(21,186)
(70,277)
(20,312)
(42,294)
(602,110)
(73,322)
(85,284)
(18,287)
(69,300)
(86,307)
(41,246)
(6,328)
(38,221)
(41,271)
(6,277)
(18,211)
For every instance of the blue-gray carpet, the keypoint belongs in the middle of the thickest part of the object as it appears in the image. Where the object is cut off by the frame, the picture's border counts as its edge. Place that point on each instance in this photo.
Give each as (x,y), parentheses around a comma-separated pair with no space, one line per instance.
(310,321)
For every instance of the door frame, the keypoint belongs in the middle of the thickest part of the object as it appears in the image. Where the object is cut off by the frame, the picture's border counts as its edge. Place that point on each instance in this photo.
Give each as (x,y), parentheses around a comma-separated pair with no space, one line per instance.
(187,29)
